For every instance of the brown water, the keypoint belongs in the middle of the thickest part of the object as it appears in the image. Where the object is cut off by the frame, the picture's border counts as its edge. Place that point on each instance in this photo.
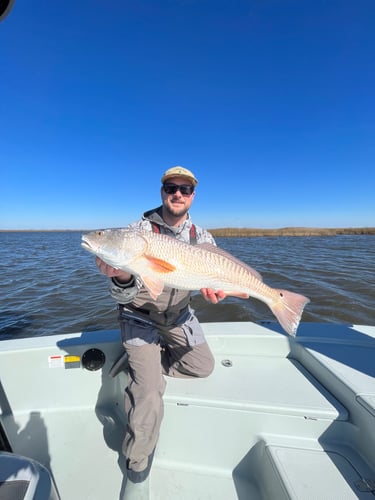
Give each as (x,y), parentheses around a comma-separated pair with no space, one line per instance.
(50,285)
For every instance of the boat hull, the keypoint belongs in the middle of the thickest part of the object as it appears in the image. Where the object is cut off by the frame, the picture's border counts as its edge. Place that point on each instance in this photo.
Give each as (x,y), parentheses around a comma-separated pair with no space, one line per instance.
(278,418)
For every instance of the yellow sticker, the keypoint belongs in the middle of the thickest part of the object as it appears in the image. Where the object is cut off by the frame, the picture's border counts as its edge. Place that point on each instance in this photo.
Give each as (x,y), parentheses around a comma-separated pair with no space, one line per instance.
(71,361)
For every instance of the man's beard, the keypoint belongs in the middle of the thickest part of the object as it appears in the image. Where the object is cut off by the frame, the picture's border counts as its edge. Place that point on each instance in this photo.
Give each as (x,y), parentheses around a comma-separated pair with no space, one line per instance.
(176,212)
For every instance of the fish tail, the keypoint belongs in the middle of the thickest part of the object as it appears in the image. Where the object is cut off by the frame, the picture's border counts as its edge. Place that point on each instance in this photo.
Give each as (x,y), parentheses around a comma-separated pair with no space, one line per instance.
(288,310)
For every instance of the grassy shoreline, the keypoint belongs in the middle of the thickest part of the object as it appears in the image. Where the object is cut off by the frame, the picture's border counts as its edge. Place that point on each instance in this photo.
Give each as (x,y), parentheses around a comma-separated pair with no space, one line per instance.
(289,231)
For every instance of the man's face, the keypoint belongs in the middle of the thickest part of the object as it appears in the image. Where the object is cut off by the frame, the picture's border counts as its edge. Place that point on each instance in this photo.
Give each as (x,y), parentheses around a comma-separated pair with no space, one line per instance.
(177,204)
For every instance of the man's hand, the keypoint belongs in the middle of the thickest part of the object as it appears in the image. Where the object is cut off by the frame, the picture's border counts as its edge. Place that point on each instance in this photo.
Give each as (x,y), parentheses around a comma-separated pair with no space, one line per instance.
(112,272)
(212,296)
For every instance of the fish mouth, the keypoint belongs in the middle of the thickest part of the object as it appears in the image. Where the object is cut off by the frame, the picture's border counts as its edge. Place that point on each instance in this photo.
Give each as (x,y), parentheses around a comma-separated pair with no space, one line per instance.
(86,244)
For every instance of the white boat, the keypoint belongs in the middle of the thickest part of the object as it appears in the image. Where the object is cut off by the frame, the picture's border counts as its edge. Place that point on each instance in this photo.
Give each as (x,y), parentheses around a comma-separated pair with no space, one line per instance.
(279,418)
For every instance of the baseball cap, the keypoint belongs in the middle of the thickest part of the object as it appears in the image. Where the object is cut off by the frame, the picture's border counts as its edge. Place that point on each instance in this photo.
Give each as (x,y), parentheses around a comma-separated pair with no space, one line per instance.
(179,172)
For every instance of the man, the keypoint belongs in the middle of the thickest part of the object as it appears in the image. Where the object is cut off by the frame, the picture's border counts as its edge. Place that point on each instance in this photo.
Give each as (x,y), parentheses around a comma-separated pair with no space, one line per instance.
(161,337)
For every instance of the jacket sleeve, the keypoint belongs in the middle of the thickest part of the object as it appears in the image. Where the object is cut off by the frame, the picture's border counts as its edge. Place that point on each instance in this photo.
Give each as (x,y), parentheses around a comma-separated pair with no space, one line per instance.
(203,236)
(124,293)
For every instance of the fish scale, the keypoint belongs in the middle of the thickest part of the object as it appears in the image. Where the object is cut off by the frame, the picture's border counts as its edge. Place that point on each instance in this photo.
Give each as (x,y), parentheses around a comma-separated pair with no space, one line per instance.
(216,267)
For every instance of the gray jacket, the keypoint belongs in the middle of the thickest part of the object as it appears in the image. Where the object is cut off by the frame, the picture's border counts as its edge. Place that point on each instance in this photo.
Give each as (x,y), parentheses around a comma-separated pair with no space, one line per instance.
(172,302)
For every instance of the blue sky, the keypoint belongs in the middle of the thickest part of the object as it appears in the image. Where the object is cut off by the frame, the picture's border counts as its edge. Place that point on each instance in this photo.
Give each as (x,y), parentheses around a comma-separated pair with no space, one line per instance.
(270,102)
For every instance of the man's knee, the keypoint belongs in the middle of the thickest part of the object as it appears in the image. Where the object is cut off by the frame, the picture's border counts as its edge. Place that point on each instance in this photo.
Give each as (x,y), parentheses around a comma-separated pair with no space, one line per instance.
(208,368)
(205,360)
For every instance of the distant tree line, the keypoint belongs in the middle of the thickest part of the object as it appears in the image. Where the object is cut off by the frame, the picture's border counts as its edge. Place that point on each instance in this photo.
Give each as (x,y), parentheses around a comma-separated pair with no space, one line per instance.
(289,231)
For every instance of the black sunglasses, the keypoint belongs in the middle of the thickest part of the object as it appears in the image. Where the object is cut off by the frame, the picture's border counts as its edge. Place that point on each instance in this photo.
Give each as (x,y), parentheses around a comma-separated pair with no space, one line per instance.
(185,189)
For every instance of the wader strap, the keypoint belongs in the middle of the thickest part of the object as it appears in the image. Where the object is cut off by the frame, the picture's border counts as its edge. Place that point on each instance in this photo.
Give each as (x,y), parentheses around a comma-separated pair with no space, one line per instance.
(192,232)
(193,235)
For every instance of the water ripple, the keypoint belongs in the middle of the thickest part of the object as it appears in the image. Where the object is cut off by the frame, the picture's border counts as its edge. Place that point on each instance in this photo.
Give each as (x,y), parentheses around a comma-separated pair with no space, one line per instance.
(50,285)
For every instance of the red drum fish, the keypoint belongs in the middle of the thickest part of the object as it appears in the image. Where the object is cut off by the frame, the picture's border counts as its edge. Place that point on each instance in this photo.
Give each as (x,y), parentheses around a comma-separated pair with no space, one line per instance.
(160,260)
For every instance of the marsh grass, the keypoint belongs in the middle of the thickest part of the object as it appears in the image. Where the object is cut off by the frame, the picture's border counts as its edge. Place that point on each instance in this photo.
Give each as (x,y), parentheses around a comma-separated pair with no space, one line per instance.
(290,231)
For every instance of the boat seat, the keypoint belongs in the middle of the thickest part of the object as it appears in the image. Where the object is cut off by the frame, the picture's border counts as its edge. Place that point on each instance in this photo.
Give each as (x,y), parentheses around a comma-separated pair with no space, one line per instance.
(24,479)
(293,474)
(268,385)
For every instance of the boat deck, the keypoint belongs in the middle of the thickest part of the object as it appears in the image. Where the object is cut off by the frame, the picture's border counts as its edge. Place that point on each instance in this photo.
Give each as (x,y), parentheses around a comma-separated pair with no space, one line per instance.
(279,418)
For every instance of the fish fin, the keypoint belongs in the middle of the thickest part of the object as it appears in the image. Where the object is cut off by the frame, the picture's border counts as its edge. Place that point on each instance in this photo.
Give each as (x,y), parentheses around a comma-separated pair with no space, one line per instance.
(154,287)
(160,265)
(288,310)
(219,251)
